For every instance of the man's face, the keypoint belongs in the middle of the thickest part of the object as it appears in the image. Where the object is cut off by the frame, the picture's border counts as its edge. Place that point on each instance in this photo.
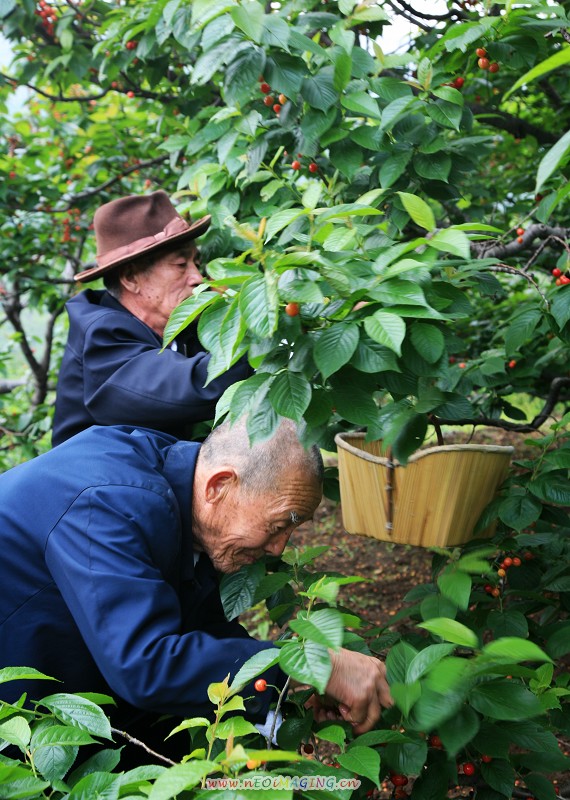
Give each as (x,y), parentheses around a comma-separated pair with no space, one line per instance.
(170,280)
(249,526)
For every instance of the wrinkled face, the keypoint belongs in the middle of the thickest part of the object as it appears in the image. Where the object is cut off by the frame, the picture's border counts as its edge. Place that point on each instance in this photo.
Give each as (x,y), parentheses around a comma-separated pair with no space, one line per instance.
(249,526)
(170,280)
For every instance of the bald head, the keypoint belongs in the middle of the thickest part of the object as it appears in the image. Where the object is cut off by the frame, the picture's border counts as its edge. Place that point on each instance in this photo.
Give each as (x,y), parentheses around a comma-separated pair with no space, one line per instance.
(261,466)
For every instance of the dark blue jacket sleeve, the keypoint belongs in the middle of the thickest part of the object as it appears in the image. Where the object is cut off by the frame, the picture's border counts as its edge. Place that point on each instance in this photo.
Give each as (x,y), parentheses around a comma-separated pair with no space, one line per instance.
(127,380)
(113,566)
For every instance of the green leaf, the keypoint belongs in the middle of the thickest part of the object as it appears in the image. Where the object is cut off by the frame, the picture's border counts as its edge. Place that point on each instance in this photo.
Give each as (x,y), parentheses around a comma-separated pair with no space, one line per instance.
(281,219)
(506,700)
(448,115)
(16,730)
(459,730)
(332,733)
(456,586)
(238,589)
(559,59)
(394,166)
(22,674)
(361,103)
(500,775)
(186,312)
(425,659)
(234,726)
(552,160)
(451,241)
(520,330)
(386,329)
(518,511)
(254,666)
(290,394)
(551,488)
(451,631)
(307,662)
(428,341)
(319,91)
(79,711)
(179,778)
(342,71)
(513,649)
(362,761)
(406,695)
(335,347)
(259,305)
(418,210)
(324,627)
(65,735)
(249,17)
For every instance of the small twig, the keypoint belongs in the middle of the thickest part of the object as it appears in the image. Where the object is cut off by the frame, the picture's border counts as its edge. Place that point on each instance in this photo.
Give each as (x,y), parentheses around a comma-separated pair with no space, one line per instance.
(101,188)
(282,694)
(132,740)
(522,273)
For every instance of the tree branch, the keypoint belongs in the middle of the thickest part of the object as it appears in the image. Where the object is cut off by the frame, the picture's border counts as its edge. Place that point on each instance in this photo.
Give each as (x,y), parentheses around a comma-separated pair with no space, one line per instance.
(138,743)
(519,128)
(506,249)
(522,427)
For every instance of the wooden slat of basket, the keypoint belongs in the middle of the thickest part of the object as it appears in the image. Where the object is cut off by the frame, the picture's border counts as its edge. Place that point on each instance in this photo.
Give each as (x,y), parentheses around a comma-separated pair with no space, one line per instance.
(437,498)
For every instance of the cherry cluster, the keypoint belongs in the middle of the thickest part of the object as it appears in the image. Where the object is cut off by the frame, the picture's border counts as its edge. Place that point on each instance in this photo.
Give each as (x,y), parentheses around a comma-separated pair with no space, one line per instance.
(48,16)
(483,62)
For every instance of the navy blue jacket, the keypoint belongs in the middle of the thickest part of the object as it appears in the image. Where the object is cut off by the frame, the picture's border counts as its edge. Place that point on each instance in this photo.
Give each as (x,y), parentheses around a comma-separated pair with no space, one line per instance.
(97,577)
(113,373)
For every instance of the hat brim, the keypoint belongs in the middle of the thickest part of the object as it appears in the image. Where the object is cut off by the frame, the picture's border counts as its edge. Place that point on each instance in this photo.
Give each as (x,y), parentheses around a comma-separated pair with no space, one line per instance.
(194,230)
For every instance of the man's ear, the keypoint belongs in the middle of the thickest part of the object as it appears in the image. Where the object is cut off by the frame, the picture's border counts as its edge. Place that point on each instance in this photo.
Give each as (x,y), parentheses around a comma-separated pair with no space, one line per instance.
(220,483)
(129,280)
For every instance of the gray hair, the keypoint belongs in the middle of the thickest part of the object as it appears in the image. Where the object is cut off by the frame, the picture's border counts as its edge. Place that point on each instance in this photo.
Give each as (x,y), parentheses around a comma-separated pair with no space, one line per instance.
(261,466)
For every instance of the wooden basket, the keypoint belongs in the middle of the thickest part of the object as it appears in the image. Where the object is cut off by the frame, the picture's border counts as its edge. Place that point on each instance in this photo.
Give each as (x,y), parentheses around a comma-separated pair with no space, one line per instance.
(434,501)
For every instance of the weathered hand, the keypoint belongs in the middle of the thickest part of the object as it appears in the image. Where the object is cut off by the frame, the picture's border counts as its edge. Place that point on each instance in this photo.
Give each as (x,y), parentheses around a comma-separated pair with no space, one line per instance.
(358,685)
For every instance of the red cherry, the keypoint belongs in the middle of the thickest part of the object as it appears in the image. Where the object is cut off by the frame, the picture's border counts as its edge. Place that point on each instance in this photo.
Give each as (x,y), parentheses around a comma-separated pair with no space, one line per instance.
(558,281)
(483,63)
(564,279)
(313,167)
(296,165)
(458,82)
(494,67)
(131,45)
(268,100)
(260,685)
(516,561)
(282,99)
(265,88)
(486,759)
(469,768)
(520,231)
(277,108)
(130,93)
(434,740)
(556,272)
(292,309)
(520,239)
(462,365)
(481,52)
(399,780)
(12,175)
(507,562)
(512,364)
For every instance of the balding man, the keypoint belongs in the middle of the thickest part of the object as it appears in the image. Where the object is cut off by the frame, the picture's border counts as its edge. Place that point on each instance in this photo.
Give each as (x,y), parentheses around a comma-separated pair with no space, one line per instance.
(113,371)
(110,547)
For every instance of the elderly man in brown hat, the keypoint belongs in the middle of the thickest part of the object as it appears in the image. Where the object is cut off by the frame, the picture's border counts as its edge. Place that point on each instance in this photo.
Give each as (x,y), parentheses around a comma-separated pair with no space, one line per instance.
(112,371)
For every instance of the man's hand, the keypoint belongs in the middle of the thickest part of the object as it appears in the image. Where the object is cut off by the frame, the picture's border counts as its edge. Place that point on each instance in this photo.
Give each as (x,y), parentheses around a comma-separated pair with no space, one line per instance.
(359,687)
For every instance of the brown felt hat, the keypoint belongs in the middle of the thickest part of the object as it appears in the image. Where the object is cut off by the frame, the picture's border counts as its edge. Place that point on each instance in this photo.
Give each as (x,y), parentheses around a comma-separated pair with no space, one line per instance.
(134,226)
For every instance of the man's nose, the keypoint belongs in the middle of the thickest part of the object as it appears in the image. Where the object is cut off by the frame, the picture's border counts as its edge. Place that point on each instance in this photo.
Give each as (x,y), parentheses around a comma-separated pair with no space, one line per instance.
(276,546)
(193,273)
